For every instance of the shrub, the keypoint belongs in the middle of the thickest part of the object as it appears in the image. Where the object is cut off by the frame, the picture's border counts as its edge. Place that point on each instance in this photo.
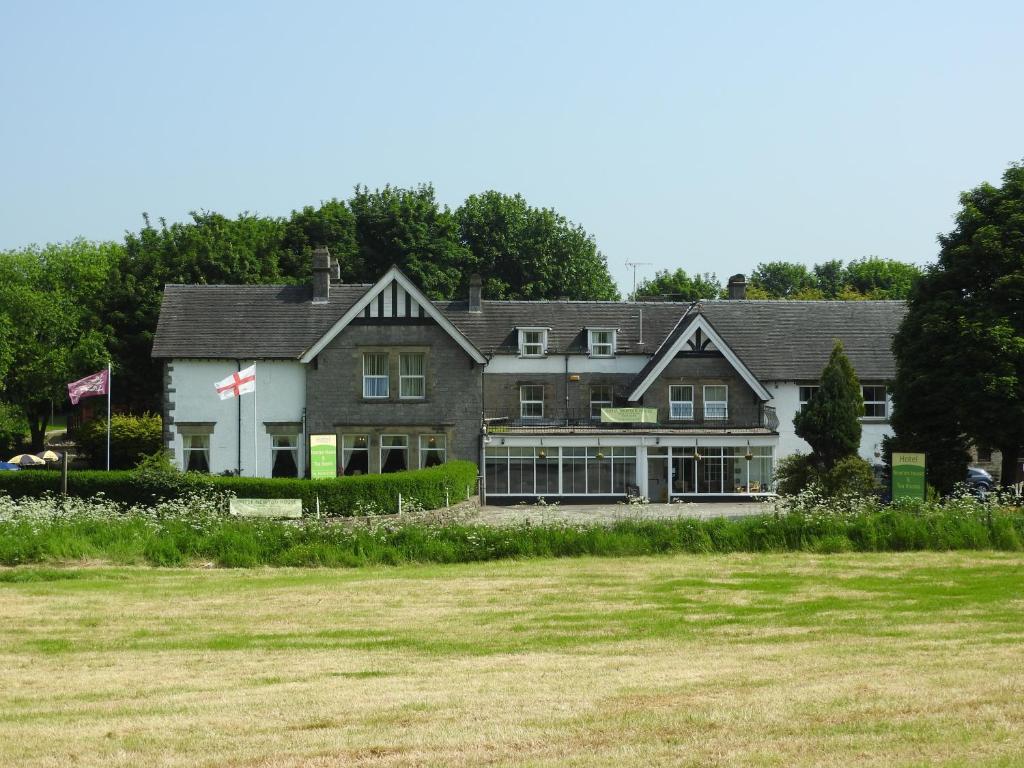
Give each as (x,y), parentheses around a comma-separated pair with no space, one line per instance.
(13,428)
(131,439)
(154,480)
(850,476)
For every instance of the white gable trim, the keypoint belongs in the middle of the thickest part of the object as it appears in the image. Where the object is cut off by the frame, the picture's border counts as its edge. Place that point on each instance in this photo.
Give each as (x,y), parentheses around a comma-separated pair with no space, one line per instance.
(699,322)
(416,295)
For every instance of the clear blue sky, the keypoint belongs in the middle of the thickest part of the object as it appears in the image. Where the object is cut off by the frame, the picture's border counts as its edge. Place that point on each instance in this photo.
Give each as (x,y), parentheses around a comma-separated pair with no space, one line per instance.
(707,136)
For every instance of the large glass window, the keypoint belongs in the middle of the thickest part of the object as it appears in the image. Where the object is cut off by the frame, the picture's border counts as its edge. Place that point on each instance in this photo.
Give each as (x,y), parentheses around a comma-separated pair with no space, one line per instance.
(680,401)
(520,471)
(874,401)
(600,397)
(574,471)
(355,454)
(547,471)
(394,453)
(496,471)
(433,450)
(284,452)
(531,401)
(196,450)
(411,378)
(716,402)
(375,374)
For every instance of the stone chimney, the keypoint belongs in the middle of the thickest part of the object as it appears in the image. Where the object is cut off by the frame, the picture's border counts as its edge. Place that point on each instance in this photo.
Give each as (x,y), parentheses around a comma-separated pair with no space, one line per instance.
(476,290)
(335,271)
(737,287)
(321,275)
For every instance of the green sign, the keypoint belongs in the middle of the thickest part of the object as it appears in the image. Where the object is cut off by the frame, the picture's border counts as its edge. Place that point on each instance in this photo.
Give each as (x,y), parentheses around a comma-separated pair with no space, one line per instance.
(907,476)
(266,507)
(629,415)
(323,456)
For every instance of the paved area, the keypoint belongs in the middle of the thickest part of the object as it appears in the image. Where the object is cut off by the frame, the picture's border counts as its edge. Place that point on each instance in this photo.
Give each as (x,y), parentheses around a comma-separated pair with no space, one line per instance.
(612,512)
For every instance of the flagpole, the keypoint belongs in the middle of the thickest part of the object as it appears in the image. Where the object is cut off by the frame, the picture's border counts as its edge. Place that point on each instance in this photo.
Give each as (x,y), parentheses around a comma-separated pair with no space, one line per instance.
(108,415)
(255,431)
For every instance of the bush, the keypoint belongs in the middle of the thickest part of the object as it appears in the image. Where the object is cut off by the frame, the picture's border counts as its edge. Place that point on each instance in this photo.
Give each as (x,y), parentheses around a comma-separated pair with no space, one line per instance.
(850,476)
(13,428)
(153,480)
(131,439)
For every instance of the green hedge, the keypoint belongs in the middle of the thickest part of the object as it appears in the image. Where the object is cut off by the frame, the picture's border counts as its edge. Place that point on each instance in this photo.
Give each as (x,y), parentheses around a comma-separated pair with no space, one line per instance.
(131,439)
(338,496)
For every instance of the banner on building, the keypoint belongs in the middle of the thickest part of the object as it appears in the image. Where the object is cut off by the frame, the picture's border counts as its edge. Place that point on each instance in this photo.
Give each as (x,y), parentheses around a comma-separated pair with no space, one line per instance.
(908,476)
(629,415)
(323,456)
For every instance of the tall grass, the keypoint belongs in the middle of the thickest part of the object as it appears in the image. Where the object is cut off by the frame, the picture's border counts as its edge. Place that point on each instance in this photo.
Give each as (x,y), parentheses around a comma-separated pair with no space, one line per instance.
(195,530)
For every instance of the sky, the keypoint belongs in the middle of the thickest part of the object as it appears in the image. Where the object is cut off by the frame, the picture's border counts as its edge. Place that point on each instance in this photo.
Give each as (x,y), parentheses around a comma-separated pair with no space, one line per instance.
(703,135)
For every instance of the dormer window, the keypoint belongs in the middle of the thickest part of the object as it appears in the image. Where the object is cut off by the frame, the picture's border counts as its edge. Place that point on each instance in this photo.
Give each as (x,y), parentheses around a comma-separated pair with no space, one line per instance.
(601,342)
(533,342)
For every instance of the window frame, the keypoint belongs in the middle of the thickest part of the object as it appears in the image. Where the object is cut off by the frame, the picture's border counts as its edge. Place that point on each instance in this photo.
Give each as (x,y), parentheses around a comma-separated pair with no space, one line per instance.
(187,449)
(542,343)
(386,376)
(346,462)
(706,402)
(672,401)
(440,446)
(421,377)
(608,402)
(381,447)
(523,401)
(610,344)
(275,449)
(801,402)
(884,402)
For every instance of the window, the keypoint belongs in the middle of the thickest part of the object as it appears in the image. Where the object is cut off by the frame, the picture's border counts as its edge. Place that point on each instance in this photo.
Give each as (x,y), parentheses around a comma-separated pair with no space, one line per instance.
(533,342)
(806,393)
(716,401)
(874,401)
(531,401)
(375,374)
(433,450)
(411,380)
(284,456)
(196,452)
(600,397)
(394,453)
(680,401)
(602,343)
(985,455)
(355,454)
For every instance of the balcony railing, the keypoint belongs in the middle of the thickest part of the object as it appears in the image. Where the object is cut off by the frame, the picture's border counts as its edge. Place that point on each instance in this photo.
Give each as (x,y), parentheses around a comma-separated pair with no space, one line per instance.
(575,420)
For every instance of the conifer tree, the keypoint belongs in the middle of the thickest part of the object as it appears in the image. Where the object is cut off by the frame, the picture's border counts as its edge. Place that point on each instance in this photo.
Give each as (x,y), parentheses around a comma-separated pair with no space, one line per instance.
(831,422)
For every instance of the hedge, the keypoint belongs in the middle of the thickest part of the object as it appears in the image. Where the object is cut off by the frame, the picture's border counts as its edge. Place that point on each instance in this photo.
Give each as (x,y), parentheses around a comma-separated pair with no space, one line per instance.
(131,438)
(337,496)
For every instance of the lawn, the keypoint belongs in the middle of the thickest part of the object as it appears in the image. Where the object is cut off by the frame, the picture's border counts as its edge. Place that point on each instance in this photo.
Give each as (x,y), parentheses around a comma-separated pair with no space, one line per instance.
(764,660)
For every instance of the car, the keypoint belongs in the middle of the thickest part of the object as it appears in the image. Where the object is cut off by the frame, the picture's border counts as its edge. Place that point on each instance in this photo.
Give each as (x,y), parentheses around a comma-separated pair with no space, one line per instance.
(979,480)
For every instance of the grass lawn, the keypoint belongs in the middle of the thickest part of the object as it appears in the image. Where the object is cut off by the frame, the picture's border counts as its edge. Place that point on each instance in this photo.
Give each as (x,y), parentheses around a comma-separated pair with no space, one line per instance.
(739,660)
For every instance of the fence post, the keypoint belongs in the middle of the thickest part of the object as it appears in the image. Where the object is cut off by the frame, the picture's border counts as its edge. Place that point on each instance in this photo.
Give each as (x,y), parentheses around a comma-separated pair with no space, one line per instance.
(447,501)
(64,474)
(399,503)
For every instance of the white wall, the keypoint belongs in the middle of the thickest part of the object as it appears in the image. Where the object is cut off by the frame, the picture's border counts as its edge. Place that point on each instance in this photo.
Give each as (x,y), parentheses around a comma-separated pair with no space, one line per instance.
(786,401)
(280,396)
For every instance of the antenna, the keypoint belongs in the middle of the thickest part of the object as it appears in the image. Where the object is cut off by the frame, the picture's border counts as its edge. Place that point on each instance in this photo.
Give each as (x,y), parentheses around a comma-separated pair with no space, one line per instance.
(634,265)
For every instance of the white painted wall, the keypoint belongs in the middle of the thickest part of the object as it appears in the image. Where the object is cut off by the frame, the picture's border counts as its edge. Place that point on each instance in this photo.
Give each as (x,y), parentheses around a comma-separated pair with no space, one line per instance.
(786,401)
(280,396)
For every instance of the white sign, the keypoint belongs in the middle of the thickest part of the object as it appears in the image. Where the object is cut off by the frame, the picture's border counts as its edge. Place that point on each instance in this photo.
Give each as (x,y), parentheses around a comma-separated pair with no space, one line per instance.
(266,507)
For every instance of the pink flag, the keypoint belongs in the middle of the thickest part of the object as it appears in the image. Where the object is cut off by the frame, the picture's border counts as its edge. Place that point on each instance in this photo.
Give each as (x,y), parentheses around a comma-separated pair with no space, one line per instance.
(90,386)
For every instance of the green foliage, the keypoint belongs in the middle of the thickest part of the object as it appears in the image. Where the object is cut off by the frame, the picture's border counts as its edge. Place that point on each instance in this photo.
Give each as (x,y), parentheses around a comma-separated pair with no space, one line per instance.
(960,348)
(524,252)
(831,421)
(782,279)
(337,496)
(877,278)
(867,278)
(679,286)
(849,476)
(131,439)
(13,428)
(794,473)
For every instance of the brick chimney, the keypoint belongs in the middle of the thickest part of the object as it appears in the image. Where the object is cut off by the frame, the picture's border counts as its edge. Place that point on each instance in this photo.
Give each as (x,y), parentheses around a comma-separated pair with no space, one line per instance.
(737,287)
(476,291)
(321,275)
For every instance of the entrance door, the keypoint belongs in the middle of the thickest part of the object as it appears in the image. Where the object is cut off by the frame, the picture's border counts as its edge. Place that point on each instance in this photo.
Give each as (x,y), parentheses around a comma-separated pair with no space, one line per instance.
(657,478)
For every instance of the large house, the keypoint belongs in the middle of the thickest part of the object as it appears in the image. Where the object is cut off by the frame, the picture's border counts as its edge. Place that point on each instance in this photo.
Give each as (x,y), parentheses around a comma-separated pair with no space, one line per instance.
(559,399)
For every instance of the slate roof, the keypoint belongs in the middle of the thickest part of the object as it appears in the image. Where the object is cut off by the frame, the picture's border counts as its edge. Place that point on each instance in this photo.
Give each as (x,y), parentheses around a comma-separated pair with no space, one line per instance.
(776,340)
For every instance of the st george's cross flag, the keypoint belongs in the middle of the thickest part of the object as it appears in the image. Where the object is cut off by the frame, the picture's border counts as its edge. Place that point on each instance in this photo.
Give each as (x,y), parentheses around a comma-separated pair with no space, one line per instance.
(239,383)
(92,385)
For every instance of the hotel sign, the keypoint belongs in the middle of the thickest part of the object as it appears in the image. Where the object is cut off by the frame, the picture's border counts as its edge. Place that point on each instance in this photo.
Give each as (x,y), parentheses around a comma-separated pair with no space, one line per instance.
(629,415)
(323,456)
(908,476)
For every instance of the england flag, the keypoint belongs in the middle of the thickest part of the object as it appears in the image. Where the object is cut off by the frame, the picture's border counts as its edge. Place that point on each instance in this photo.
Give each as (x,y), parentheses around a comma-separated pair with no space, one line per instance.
(239,383)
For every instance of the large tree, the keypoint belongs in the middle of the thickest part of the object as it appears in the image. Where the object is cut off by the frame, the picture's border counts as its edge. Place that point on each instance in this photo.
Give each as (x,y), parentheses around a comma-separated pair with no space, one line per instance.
(781,280)
(877,278)
(55,332)
(831,421)
(960,349)
(524,252)
(679,286)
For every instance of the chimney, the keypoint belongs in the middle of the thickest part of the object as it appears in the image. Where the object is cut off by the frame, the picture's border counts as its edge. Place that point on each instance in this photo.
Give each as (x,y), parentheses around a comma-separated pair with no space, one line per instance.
(335,271)
(476,290)
(737,287)
(321,275)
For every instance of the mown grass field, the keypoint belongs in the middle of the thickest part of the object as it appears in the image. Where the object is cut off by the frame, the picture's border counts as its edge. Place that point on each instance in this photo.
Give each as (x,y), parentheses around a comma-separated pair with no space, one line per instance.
(731,660)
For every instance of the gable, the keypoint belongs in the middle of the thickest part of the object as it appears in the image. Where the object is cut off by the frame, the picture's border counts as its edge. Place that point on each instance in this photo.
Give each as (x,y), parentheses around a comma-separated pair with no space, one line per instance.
(394,296)
(696,336)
